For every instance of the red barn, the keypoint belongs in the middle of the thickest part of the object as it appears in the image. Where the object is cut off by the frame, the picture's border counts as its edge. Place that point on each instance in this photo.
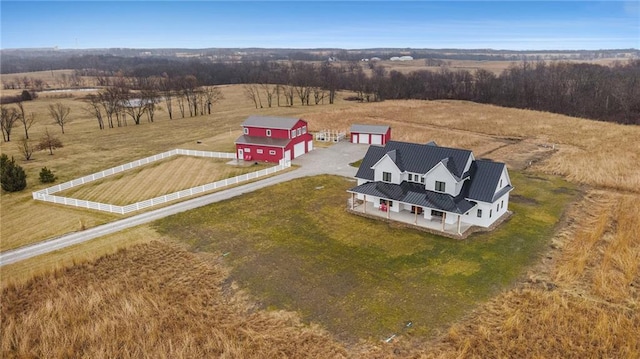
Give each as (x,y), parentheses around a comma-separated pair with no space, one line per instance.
(271,139)
(370,134)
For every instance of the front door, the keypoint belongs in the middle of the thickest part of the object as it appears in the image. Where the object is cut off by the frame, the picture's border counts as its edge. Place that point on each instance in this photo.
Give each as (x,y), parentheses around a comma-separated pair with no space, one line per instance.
(240,154)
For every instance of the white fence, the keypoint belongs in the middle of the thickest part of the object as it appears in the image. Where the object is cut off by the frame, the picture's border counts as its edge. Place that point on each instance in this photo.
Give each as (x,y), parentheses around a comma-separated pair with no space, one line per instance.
(46,194)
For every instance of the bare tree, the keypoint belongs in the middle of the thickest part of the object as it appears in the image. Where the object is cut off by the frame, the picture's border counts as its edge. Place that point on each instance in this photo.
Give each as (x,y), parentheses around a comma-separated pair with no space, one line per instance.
(112,100)
(8,117)
(269,91)
(188,85)
(93,108)
(60,114)
(165,87)
(180,100)
(48,141)
(135,107)
(213,95)
(288,92)
(27,121)
(25,147)
(251,92)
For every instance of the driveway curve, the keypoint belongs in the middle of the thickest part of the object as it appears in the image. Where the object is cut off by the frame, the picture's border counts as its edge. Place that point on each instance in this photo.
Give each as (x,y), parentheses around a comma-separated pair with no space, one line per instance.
(333,160)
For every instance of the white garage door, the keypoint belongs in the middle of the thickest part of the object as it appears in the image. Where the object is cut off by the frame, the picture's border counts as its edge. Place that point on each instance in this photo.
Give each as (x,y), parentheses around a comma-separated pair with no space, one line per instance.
(298,149)
(287,155)
(376,139)
(363,138)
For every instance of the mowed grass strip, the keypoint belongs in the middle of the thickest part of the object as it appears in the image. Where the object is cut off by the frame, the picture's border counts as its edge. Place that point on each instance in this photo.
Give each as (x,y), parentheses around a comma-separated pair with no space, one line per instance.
(294,247)
(159,178)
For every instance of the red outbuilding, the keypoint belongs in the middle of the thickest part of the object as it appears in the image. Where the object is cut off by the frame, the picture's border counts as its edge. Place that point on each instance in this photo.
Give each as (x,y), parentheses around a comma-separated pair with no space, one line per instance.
(370,134)
(271,139)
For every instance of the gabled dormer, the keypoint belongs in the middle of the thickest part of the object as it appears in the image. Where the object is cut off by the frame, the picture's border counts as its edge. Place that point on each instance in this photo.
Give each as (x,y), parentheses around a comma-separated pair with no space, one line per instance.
(440,179)
(388,169)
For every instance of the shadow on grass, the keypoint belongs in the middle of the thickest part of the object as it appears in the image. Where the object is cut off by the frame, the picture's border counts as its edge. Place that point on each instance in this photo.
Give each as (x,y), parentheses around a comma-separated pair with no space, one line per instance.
(294,247)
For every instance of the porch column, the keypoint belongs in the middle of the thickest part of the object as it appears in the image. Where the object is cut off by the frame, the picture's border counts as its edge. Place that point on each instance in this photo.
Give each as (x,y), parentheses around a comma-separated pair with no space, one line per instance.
(459,224)
(365,204)
(388,210)
(416,212)
(353,201)
(444,216)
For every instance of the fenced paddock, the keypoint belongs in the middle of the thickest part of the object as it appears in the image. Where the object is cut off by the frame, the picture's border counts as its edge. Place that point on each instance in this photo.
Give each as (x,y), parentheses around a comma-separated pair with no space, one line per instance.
(330,136)
(47,194)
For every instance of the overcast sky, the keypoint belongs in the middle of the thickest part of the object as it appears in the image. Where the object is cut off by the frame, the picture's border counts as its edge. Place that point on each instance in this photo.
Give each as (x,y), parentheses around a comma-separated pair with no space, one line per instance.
(512,25)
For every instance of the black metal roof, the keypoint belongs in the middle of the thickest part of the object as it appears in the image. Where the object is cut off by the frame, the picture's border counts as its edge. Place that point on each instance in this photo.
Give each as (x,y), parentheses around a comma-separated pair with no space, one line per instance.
(283,123)
(374,154)
(484,181)
(263,141)
(416,158)
(415,194)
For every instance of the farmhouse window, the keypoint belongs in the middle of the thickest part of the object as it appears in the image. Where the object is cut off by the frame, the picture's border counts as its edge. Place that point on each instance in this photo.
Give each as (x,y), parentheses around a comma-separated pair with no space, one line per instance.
(497,207)
(293,133)
(410,177)
(502,204)
(304,129)
(440,186)
(479,213)
(501,183)
(272,152)
(490,213)
(259,150)
(422,180)
(386,176)
(268,133)
(245,131)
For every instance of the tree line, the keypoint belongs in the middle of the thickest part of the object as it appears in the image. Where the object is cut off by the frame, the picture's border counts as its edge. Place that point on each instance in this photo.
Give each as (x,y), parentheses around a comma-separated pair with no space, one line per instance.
(606,93)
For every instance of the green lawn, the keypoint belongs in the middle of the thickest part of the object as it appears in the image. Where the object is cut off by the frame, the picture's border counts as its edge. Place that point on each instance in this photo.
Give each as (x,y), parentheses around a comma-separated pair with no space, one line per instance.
(293,246)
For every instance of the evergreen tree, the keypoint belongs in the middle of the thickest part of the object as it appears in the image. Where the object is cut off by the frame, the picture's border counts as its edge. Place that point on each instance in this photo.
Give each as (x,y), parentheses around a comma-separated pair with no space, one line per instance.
(47,176)
(12,176)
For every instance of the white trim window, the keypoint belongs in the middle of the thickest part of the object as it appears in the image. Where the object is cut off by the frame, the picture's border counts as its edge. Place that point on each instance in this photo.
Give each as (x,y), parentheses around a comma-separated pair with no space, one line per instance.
(247,150)
(259,151)
(245,130)
(386,176)
(440,186)
(293,133)
(304,129)
(272,152)
(268,133)
(299,131)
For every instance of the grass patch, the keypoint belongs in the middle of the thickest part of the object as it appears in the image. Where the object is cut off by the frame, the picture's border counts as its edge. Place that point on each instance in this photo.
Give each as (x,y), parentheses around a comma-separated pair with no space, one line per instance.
(159,178)
(356,164)
(294,247)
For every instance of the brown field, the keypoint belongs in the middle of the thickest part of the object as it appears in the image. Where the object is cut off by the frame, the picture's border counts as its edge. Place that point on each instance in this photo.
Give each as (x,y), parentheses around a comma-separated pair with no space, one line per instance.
(157,179)
(131,298)
(496,67)
(580,301)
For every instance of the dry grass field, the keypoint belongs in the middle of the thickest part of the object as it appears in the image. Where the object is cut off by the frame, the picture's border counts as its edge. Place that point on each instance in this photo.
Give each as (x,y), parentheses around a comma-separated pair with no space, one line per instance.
(496,67)
(130,297)
(159,178)
(580,300)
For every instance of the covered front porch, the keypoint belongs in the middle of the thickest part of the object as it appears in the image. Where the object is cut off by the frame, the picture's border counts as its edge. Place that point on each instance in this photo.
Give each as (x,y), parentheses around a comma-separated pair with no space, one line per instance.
(450,224)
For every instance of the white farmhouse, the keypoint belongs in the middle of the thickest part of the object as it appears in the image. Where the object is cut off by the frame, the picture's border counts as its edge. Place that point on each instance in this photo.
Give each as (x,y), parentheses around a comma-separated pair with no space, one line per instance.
(445,189)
